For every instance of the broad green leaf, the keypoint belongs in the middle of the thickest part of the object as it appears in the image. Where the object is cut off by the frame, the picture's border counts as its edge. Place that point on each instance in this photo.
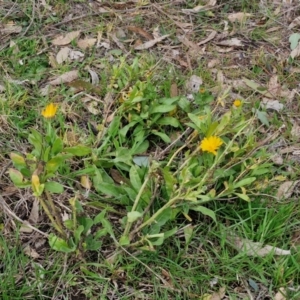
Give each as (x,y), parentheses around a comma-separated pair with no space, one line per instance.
(79,150)
(256,87)
(141,161)
(184,104)
(36,140)
(124,240)
(262,116)
(100,217)
(58,244)
(170,232)
(162,135)
(294,40)
(54,187)
(109,189)
(205,211)
(133,216)
(168,121)
(211,129)
(168,101)
(16,176)
(53,164)
(113,128)
(100,233)
(223,123)
(57,146)
(162,108)
(77,233)
(243,182)
(140,147)
(243,196)
(188,233)
(91,244)
(135,179)
(18,160)
(158,239)
(164,217)
(86,222)
(170,181)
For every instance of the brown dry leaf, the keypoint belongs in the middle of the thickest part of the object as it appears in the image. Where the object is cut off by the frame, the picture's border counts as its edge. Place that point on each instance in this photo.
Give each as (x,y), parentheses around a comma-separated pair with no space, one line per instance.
(295,132)
(76,55)
(209,38)
(141,32)
(218,295)
(86,43)
(272,104)
(14,46)
(63,40)
(239,16)
(118,177)
(10,28)
(151,43)
(286,189)
(118,42)
(31,252)
(198,8)
(295,23)
(296,52)
(62,55)
(25,228)
(273,86)
(66,77)
(184,40)
(174,90)
(34,214)
(91,105)
(234,42)
(277,159)
(193,84)
(212,63)
(85,182)
(256,248)
(94,77)
(281,294)
(224,50)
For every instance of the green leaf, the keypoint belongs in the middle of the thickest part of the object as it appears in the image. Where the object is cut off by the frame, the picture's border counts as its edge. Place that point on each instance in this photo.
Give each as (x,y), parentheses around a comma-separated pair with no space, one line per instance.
(18,160)
(262,116)
(294,40)
(57,146)
(205,211)
(91,244)
(133,216)
(54,187)
(108,189)
(100,233)
(162,135)
(243,196)
(159,239)
(223,123)
(244,182)
(164,217)
(141,161)
(58,244)
(162,108)
(197,120)
(77,233)
(256,87)
(86,222)
(168,121)
(113,128)
(35,139)
(170,181)
(135,178)
(184,104)
(16,176)
(124,240)
(100,217)
(79,150)
(140,147)
(54,163)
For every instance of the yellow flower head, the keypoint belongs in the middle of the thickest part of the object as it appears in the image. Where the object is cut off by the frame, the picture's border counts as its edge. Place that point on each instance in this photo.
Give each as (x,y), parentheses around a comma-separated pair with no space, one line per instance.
(211,144)
(50,111)
(202,91)
(237,103)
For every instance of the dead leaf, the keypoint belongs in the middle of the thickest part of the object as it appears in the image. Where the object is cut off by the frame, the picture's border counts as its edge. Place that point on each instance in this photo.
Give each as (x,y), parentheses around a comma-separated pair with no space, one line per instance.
(239,16)
(295,132)
(31,252)
(63,40)
(94,77)
(76,55)
(141,32)
(62,55)
(118,42)
(218,295)
(277,159)
(34,214)
(212,63)
(193,84)
(286,189)
(2,88)
(24,228)
(86,43)
(281,294)
(151,43)
(85,182)
(273,86)
(234,42)
(66,77)
(10,28)
(174,90)
(220,77)
(295,23)
(296,52)
(272,104)
(256,248)
(14,46)
(256,87)
(91,105)
(198,8)
(184,40)
(209,38)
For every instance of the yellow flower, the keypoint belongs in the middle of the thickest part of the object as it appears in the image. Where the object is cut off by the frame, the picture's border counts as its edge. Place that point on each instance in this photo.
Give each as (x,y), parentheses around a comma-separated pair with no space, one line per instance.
(237,103)
(50,111)
(202,91)
(211,144)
